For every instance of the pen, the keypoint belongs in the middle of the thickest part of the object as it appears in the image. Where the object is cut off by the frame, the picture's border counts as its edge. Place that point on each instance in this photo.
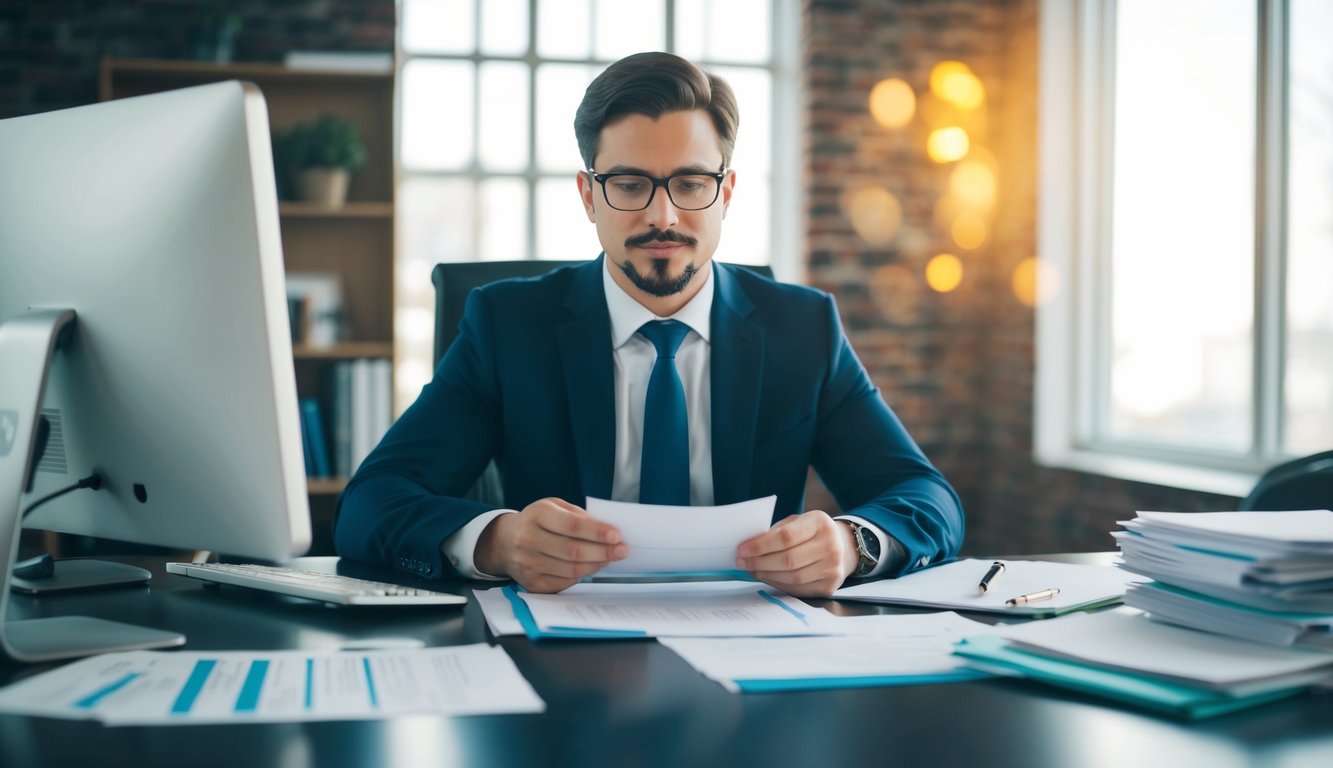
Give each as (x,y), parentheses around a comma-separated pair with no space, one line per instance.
(1032,597)
(996,568)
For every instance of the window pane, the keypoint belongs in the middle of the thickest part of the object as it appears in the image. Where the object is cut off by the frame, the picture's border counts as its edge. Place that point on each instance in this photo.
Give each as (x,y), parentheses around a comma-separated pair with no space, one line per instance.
(502,218)
(723,30)
(560,88)
(745,232)
(1309,372)
(438,26)
(624,28)
(564,29)
(563,229)
(437,115)
(504,27)
(434,224)
(754,97)
(1182,228)
(503,137)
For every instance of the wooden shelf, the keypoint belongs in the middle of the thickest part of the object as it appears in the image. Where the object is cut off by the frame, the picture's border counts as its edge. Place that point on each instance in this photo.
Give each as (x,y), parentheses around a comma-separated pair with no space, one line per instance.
(326,486)
(351,210)
(348,350)
(206,72)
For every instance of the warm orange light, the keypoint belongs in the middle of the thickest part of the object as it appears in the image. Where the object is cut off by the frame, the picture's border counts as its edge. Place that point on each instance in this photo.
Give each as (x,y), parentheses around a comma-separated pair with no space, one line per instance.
(968,230)
(947,144)
(892,103)
(942,73)
(875,213)
(1034,281)
(972,183)
(962,89)
(944,272)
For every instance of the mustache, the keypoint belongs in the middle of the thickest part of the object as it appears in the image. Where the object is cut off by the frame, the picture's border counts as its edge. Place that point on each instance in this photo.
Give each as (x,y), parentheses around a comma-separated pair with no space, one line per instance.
(660,236)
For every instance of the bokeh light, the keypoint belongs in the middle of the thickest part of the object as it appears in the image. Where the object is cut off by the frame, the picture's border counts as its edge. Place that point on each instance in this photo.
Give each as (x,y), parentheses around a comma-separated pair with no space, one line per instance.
(942,72)
(1034,281)
(875,213)
(947,144)
(972,183)
(944,272)
(892,103)
(968,230)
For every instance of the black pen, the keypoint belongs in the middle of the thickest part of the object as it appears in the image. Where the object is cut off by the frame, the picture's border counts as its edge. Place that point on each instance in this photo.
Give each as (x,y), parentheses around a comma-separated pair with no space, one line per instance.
(1032,597)
(996,568)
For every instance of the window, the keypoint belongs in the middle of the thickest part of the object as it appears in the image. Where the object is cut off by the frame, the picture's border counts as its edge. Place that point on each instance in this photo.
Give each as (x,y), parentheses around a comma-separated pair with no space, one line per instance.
(488,90)
(1186,228)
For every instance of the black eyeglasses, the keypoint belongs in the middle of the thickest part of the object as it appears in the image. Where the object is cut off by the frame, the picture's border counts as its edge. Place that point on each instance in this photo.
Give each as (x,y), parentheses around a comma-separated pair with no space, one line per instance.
(689,191)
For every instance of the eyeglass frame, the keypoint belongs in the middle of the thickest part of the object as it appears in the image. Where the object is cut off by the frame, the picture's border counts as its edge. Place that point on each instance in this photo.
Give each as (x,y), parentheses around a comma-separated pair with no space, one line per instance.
(662,182)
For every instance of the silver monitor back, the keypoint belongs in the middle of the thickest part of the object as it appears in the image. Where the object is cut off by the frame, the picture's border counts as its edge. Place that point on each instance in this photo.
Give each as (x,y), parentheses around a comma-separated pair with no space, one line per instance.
(155,219)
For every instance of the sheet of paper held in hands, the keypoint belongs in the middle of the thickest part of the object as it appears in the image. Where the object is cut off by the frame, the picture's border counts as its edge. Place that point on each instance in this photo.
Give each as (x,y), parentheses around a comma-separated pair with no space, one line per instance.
(664,539)
(953,586)
(185,688)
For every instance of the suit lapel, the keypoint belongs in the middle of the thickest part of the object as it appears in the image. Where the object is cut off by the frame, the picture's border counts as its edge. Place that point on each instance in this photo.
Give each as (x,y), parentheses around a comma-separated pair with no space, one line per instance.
(737,351)
(585,356)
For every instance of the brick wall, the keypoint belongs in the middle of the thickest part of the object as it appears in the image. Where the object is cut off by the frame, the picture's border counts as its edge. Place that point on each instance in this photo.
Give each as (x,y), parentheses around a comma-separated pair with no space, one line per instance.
(957,366)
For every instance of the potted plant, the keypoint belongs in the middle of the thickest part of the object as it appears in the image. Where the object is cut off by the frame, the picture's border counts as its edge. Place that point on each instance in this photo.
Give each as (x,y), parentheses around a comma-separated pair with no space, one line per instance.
(319,157)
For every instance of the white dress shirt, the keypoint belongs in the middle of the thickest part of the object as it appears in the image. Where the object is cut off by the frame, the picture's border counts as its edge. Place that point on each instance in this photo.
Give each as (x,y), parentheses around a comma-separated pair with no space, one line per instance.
(634,357)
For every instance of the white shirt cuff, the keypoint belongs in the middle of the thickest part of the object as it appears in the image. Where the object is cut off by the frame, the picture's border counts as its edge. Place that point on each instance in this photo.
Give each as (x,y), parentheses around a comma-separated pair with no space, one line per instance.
(890,549)
(460,549)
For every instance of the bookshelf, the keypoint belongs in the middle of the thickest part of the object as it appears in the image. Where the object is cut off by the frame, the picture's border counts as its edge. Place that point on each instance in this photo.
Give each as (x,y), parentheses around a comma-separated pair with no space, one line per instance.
(355,241)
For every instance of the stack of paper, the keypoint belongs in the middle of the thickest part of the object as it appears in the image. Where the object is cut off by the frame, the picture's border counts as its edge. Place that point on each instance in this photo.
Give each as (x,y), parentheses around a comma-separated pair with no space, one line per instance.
(1120,655)
(1262,576)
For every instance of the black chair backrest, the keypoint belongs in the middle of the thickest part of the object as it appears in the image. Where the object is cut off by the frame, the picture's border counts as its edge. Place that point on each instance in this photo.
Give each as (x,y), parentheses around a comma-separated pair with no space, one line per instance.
(454,280)
(1305,483)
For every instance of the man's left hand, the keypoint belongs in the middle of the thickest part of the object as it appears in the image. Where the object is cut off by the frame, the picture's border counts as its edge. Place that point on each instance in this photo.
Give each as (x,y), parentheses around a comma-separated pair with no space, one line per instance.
(807,555)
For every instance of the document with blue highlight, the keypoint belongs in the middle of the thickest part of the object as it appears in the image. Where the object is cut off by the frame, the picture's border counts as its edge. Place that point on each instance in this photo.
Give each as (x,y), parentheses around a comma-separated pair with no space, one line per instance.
(180,688)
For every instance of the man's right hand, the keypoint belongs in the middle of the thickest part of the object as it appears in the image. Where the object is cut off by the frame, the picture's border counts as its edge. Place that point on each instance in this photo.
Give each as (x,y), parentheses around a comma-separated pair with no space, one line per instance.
(548,546)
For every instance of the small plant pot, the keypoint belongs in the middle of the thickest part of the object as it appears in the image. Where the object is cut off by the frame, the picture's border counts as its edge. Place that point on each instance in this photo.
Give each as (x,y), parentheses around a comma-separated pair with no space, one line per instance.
(323,186)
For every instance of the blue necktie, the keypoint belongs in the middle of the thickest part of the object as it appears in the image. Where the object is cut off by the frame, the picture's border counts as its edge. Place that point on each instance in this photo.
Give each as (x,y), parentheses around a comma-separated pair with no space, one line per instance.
(664,471)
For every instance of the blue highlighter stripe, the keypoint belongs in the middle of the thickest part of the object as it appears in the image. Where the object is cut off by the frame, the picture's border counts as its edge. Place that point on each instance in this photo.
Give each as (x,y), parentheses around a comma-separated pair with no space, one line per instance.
(800,616)
(92,699)
(309,684)
(193,686)
(370,683)
(248,700)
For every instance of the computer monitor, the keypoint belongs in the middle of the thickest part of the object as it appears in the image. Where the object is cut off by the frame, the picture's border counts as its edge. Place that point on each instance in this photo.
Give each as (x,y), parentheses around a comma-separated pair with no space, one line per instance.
(142,282)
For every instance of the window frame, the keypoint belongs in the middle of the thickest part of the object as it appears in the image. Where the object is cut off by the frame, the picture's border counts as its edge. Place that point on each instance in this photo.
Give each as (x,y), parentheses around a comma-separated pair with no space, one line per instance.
(1071,397)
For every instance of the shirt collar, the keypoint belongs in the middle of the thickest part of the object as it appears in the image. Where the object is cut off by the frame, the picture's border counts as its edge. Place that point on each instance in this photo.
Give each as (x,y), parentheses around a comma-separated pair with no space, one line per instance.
(628,315)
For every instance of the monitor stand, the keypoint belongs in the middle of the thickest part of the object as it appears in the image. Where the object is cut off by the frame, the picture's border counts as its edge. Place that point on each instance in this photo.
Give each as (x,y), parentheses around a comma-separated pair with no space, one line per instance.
(27,343)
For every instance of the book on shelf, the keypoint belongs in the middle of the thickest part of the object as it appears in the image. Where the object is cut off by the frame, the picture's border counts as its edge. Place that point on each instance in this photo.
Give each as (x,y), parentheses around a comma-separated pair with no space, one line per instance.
(362,409)
(312,424)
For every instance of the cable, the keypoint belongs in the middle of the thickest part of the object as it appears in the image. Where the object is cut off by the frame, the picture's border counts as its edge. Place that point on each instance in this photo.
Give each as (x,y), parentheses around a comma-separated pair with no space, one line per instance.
(93,481)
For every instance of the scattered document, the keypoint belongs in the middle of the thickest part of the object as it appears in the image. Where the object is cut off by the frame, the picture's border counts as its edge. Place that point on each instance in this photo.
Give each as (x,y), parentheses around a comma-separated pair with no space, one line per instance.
(686,609)
(181,688)
(1164,602)
(953,586)
(876,651)
(670,539)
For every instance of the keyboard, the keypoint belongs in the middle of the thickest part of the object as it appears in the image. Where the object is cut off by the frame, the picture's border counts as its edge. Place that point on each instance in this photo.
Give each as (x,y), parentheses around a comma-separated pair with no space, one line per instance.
(329,587)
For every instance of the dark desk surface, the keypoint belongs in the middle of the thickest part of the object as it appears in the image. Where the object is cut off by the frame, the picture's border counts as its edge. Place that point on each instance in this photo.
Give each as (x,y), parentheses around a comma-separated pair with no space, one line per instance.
(634,703)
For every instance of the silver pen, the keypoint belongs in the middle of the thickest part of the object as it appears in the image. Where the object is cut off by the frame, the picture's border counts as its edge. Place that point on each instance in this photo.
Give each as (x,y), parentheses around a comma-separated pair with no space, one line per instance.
(1032,597)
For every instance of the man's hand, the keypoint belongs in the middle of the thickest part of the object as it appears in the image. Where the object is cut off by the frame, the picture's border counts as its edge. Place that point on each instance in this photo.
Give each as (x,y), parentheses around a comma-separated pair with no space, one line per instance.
(548,546)
(807,555)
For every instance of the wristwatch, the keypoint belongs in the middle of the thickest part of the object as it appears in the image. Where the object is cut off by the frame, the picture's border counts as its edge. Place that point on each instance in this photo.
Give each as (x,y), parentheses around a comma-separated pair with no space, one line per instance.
(867,546)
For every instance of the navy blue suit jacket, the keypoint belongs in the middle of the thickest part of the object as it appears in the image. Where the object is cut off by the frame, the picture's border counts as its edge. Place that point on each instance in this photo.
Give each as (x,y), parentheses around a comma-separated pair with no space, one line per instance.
(529,383)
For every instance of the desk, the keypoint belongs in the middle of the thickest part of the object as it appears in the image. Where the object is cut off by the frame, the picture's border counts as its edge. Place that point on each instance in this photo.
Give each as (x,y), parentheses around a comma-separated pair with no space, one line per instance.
(634,703)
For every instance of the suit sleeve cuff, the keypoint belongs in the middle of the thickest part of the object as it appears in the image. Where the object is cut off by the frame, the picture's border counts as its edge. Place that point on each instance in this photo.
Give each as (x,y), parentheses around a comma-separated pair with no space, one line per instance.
(891,551)
(460,549)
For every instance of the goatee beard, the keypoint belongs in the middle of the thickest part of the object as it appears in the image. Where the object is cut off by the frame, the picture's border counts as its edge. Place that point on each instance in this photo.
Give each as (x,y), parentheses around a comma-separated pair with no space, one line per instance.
(659,282)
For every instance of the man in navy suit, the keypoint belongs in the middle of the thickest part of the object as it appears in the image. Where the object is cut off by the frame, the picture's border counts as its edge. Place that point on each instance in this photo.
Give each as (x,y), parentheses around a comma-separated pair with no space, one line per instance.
(549,376)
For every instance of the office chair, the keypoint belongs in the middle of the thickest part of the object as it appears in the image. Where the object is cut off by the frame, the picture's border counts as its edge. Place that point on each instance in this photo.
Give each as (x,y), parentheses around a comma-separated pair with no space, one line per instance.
(1305,483)
(453,282)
